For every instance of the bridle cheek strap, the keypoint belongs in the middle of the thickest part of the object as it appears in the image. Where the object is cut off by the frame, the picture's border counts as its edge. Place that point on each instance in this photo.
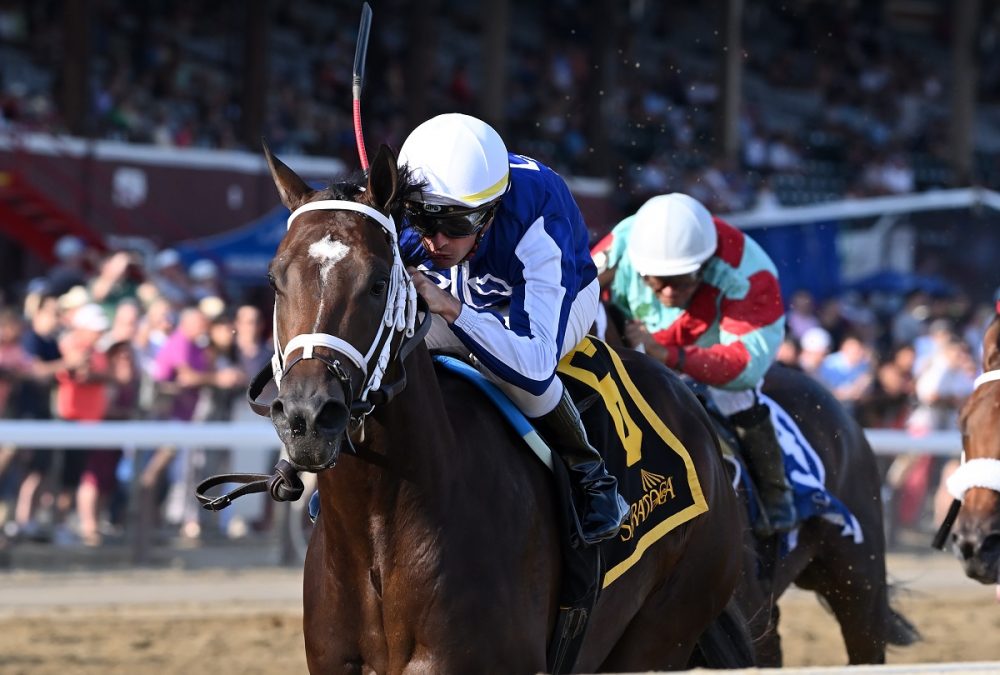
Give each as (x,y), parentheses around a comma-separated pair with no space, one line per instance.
(399,314)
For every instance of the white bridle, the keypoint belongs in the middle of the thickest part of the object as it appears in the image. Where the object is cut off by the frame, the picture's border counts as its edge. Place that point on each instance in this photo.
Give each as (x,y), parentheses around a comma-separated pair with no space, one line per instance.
(399,315)
(983,472)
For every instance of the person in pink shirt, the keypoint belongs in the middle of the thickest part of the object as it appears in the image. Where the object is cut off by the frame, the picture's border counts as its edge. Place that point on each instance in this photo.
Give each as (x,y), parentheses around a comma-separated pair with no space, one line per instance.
(181,368)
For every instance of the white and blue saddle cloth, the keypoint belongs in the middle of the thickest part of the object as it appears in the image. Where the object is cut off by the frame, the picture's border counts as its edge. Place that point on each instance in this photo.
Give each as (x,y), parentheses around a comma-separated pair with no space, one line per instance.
(807,476)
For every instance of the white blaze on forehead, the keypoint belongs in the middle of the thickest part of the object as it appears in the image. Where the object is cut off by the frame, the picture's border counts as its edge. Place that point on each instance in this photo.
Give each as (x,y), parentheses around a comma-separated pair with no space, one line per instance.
(328,253)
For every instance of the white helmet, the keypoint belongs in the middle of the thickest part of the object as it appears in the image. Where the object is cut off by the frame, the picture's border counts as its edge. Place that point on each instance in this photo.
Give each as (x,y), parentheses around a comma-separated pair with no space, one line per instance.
(673,235)
(462,159)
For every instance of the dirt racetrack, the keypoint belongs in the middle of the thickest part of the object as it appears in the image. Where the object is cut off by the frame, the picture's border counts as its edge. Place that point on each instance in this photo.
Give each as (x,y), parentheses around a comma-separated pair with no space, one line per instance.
(248,621)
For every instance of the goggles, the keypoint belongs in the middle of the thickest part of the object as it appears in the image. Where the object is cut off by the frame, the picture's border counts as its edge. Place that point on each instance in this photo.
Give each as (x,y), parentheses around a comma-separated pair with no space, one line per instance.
(680,282)
(451,221)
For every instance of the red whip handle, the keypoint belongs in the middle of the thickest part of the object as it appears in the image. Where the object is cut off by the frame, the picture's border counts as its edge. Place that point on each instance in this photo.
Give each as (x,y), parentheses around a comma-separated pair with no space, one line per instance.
(358,136)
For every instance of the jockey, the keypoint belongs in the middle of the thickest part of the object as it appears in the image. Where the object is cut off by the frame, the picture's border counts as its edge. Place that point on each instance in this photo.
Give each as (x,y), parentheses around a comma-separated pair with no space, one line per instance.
(704,299)
(498,249)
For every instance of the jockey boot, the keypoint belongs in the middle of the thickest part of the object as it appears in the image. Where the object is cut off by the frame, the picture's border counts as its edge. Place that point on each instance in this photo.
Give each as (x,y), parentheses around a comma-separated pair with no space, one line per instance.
(766,462)
(599,508)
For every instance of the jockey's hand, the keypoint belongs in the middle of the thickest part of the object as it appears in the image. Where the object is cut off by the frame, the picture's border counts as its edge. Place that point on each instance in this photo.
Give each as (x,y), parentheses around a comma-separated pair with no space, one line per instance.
(439,302)
(636,334)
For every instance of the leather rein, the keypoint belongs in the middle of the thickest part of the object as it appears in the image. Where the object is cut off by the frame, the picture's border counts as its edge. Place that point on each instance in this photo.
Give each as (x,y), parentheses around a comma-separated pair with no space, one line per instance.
(398,334)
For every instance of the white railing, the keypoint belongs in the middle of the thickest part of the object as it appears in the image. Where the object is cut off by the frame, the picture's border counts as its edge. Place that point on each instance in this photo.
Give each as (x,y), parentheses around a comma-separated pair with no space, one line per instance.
(260,434)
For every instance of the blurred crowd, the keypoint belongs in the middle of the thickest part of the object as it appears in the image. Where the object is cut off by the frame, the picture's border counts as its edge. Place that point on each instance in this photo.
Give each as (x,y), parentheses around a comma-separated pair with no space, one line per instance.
(839,98)
(116,337)
(908,363)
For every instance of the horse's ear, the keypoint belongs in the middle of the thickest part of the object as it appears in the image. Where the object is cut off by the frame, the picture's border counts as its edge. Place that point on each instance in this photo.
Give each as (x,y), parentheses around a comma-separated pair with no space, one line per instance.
(292,190)
(383,179)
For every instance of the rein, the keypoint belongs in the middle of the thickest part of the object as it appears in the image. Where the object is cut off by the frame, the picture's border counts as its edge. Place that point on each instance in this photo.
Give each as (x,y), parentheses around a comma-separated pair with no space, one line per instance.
(399,319)
(983,472)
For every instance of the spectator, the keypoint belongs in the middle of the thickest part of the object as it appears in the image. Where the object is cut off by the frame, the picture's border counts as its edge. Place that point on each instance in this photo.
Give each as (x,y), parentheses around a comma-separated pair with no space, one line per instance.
(911,320)
(15,367)
(801,314)
(170,279)
(889,402)
(15,362)
(182,367)
(789,352)
(81,396)
(70,302)
(831,318)
(815,345)
(40,344)
(927,347)
(71,267)
(124,385)
(118,279)
(252,351)
(942,387)
(848,371)
(204,275)
(124,324)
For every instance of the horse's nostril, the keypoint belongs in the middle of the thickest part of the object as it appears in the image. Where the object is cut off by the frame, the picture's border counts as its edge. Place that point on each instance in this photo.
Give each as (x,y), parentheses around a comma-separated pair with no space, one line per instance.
(332,418)
(991,546)
(966,549)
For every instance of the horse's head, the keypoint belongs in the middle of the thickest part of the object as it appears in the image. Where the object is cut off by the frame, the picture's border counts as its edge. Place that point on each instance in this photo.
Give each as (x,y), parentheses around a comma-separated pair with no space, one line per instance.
(976,538)
(341,296)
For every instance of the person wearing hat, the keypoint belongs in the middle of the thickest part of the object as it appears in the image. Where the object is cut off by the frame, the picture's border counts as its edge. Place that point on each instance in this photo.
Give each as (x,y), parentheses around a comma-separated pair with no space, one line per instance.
(704,299)
(498,248)
(82,396)
(70,268)
(205,280)
(171,279)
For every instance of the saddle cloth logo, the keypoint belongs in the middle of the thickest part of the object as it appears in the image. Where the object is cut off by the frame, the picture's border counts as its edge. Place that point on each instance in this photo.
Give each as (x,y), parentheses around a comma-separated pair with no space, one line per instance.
(654,470)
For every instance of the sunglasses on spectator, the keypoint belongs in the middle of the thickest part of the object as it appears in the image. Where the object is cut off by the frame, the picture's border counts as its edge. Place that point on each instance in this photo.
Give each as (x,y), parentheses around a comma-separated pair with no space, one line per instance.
(451,221)
(679,282)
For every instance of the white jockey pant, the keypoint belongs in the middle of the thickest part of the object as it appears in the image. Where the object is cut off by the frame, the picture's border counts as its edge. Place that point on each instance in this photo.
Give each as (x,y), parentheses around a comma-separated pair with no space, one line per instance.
(581,318)
(731,402)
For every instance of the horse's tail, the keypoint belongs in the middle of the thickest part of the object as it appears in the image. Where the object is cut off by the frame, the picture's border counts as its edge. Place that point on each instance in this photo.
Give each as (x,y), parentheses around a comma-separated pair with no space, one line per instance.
(726,642)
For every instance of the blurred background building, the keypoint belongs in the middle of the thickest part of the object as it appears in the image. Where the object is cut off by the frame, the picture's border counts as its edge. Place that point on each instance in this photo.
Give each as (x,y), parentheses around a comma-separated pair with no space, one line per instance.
(145,119)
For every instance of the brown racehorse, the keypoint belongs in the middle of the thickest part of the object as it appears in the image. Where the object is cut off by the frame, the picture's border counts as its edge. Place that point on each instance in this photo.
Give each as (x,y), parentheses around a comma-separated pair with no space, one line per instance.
(436,549)
(976,536)
(850,577)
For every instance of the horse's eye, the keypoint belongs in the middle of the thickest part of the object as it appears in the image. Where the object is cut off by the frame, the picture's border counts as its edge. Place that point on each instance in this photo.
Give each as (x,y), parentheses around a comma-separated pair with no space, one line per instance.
(378,288)
(271,282)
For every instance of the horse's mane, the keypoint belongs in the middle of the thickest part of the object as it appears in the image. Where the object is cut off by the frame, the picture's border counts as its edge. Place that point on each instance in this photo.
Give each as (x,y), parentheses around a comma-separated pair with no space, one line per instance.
(352,186)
